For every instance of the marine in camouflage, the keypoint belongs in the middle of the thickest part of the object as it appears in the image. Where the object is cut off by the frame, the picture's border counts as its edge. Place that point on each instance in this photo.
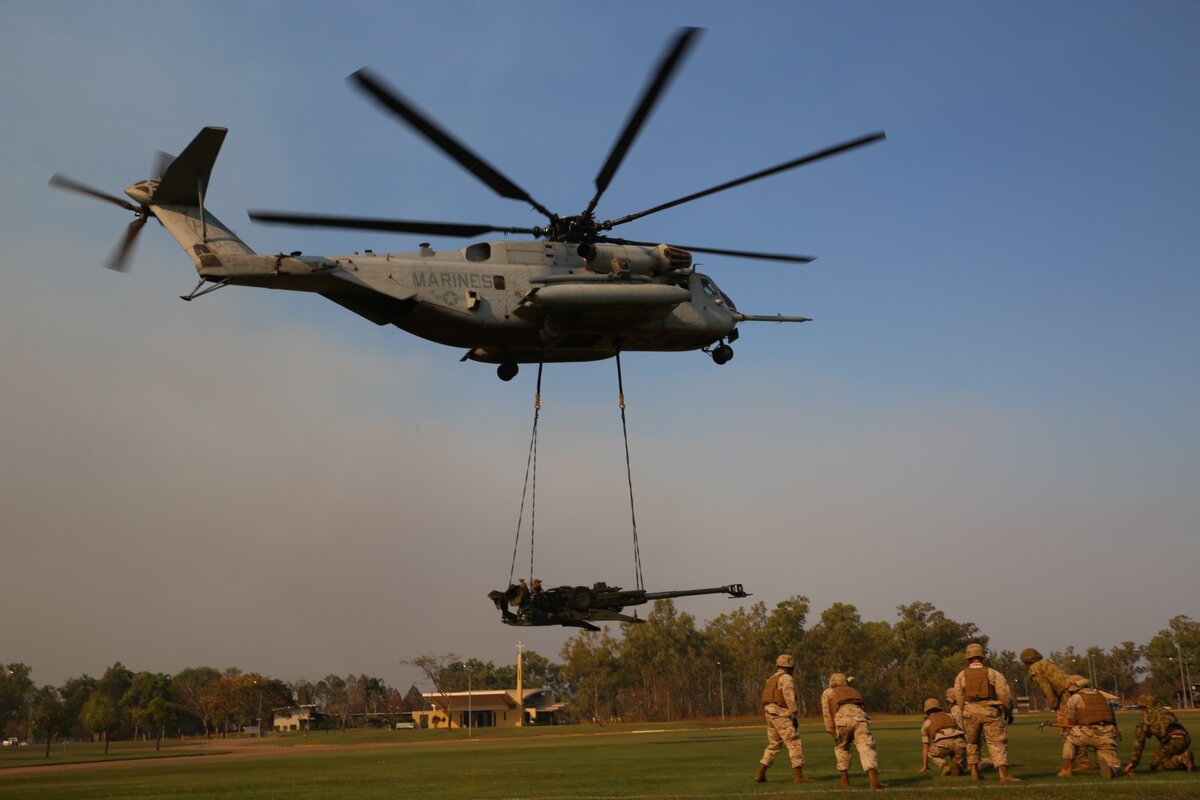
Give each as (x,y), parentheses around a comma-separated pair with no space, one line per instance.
(987,702)
(1173,739)
(945,747)
(779,707)
(1052,680)
(1102,736)
(848,724)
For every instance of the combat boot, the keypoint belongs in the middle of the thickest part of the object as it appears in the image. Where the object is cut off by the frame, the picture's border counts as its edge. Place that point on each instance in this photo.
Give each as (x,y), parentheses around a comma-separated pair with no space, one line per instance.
(1106,771)
(798,776)
(1065,772)
(873,777)
(975,776)
(1189,761)
(1005,777)
(761,775)
(844,780)
(955,770)
(1083,762)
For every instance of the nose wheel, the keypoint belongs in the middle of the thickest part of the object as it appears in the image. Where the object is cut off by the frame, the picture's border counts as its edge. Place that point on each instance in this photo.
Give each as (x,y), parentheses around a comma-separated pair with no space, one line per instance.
(507,371)
(721,354)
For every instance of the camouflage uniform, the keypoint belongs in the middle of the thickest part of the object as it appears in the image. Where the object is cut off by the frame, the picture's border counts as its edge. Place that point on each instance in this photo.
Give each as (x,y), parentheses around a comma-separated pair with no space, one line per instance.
(1051,679)
(781,720)
(954,708)
(983,719)
(947,746)
(1173,739)
(1100,735)
(848,723)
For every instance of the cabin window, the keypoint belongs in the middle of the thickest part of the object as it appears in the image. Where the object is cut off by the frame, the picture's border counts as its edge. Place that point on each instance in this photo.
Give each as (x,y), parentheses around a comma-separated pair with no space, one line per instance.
(480,251)
(708,287)
(498,282)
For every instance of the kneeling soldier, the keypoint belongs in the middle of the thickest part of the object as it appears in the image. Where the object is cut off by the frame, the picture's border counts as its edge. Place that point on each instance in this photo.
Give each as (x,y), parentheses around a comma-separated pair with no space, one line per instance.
(942,740)
(846,722)
(1093,725)
(1173,739)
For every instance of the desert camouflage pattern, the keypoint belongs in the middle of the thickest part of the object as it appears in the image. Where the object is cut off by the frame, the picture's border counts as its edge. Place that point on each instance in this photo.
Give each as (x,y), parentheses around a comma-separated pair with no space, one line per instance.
(1102,736)
(781,723)
(983,721)
(1173,740)
(849,724)
(1051,679)
(948,746)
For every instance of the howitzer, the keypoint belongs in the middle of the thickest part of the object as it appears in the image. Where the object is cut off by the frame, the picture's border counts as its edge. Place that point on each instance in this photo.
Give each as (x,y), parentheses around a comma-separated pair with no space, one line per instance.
(579,606)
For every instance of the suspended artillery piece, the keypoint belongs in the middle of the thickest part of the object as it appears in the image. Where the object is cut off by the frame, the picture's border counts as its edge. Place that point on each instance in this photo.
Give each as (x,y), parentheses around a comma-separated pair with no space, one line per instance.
(578,606)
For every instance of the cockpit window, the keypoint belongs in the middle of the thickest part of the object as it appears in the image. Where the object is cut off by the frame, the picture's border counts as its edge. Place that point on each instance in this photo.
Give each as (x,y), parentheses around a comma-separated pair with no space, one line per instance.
(709,289)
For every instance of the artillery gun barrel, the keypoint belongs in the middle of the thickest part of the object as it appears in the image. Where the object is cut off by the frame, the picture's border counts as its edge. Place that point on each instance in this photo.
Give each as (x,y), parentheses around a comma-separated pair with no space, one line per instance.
(733,590)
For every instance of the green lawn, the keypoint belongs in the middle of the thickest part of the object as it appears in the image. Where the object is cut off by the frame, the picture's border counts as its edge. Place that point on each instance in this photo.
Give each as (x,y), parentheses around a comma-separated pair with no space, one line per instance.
(677,761)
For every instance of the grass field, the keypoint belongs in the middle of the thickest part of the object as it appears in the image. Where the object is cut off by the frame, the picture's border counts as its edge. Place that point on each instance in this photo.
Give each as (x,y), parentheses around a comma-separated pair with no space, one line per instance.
(627,761)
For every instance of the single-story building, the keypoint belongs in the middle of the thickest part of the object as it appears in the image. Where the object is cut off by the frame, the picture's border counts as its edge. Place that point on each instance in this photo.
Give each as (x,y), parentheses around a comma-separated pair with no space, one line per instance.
(297,718)
(488,708)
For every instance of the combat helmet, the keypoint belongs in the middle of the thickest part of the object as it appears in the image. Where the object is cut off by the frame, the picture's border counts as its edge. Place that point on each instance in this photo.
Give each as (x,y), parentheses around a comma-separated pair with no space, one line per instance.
(1146,700)
(975,650)
(932,704)
(786,661)
(952,695)
(1030,656)
(838,679)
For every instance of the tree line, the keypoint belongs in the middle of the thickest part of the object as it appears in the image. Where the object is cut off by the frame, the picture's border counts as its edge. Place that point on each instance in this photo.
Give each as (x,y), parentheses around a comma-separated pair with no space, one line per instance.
(667,668)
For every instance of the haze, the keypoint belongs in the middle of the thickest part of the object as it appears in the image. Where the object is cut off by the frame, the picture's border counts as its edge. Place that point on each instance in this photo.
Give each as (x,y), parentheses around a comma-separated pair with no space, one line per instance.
(993,411)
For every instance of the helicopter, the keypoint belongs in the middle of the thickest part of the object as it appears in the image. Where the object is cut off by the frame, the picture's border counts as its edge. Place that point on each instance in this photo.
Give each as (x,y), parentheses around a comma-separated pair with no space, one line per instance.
(571,293)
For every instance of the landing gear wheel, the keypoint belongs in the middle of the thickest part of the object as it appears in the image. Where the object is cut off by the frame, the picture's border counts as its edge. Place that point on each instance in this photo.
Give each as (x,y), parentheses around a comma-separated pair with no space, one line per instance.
(722,354)
(507,371)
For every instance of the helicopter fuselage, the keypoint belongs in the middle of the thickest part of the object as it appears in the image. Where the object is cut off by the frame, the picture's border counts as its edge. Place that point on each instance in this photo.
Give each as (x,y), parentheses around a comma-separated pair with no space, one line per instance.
(509,301)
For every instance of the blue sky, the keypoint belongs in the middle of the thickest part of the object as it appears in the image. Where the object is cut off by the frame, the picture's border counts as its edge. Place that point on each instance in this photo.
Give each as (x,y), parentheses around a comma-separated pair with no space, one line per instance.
(994,409)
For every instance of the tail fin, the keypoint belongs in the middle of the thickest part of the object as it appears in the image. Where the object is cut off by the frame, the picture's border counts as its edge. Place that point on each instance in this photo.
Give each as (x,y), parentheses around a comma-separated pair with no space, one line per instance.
(178,201)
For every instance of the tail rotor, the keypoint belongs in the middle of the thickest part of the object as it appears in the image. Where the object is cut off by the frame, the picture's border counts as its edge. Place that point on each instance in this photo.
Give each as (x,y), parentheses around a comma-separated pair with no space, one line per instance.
(119,260)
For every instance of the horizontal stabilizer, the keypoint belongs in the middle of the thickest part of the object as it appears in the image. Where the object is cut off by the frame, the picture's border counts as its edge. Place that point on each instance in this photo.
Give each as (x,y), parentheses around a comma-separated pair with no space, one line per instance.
(185,181)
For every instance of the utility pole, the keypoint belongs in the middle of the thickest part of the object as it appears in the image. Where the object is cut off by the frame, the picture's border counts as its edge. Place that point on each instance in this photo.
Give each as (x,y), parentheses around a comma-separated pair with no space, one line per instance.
(1182,677)
(520,688)
(721,684)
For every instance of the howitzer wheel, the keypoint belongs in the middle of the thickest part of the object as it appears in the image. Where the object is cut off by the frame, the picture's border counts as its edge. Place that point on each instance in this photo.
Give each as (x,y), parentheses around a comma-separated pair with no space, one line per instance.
(580,598)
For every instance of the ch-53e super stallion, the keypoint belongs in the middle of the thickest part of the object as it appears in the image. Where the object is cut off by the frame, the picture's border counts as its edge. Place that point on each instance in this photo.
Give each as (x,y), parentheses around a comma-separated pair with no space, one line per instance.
(578,294)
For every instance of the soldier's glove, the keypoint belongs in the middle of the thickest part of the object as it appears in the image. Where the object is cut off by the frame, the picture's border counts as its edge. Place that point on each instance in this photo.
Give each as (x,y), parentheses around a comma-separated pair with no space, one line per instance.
(1008,716)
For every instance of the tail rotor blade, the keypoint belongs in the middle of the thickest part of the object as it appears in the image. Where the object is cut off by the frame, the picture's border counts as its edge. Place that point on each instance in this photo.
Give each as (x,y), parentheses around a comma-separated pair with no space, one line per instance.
(71,185)
(119,260)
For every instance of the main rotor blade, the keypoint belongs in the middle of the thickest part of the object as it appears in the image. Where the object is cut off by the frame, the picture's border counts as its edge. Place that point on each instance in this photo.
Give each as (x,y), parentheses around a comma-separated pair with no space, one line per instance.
(71,185)
(794,259)
(799,162)
(119,260)
(669,63)
(392,100)
(377,224)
